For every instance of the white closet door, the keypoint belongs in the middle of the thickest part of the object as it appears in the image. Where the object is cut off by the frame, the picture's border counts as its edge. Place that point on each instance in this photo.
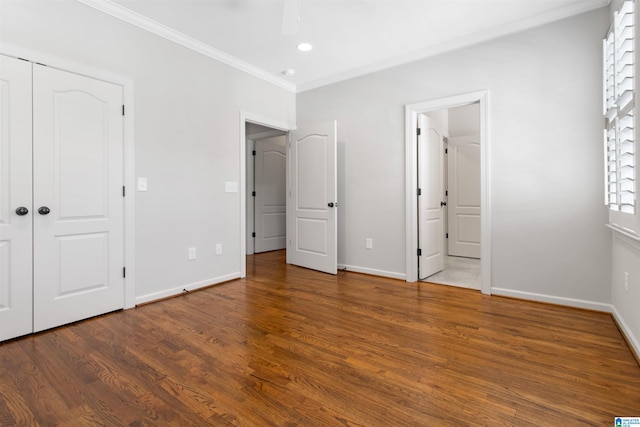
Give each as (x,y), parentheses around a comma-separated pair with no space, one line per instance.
(270,204)
(15,192)
(78,201)
(464,196)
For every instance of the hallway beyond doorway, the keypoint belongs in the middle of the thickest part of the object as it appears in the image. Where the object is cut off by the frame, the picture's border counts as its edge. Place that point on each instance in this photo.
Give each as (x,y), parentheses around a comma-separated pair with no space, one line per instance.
(458,271)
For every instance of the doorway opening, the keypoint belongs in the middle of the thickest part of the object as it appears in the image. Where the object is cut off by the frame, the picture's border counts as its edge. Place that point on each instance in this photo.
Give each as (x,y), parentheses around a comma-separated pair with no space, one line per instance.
(469,216)
(258,127)
(449,196)
(266,167)
(311,170)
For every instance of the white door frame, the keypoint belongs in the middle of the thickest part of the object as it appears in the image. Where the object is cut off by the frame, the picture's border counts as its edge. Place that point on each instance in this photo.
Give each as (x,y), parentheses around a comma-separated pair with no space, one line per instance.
(128,148)
(259,120)
(411,162)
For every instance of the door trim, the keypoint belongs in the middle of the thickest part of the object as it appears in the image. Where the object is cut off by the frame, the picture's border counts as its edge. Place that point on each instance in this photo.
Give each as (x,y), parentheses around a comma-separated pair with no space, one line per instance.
(128,147)
(257,119)
(411,186)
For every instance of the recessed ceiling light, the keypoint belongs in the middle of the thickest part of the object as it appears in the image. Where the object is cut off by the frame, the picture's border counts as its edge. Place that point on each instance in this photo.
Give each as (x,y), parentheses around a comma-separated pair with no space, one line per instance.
(305,47)
(289,72)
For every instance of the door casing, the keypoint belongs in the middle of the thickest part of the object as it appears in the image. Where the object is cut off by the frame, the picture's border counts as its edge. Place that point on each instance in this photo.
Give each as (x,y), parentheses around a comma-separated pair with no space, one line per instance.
(411,184)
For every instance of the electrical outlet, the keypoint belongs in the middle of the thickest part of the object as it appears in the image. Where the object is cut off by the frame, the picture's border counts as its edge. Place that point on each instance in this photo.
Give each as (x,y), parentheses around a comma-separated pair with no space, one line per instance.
(626,281)
(192,254)
(218,248)
(368,244)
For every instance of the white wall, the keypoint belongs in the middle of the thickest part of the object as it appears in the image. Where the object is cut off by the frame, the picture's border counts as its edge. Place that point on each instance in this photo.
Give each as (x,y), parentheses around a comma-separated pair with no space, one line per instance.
(545,132)
(464,120)
(187,131)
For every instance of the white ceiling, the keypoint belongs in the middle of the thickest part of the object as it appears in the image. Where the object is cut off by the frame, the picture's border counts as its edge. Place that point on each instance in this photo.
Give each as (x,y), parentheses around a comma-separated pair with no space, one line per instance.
(350,37)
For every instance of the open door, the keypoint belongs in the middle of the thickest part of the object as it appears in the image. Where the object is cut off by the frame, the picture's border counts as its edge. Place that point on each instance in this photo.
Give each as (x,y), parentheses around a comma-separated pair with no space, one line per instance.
(312,204)
(431,199)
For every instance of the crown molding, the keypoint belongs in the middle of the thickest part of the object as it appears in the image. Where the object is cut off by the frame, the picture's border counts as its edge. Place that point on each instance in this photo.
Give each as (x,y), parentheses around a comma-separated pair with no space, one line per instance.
(573,9)
(140,21)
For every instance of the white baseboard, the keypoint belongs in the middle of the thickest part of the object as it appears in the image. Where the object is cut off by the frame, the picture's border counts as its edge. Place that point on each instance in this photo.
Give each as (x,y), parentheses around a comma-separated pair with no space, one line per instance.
(626,331)
(551,299)
(372,271)
(190,287)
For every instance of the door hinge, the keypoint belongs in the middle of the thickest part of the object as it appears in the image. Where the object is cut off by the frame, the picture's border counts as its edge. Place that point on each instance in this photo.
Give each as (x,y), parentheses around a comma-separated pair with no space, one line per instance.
(446,151)
(253,234)
(418,131)
(419,191)
(253,193)
(253,153)
(124,272)
(447,235)
(123,109)
(419,252)
(446,192)
(123,191)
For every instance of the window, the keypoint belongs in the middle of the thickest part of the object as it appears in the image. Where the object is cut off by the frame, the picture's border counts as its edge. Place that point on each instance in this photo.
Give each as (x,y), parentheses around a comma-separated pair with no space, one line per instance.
(619,106)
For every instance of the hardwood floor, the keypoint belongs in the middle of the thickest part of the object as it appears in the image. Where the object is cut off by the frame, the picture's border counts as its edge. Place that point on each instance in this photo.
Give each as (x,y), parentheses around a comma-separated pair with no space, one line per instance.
(288,346)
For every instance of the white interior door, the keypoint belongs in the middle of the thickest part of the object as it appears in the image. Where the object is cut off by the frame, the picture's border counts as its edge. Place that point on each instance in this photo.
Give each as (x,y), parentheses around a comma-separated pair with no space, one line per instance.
(78,177)
(312,217)
(270,201)
(464,196)
(431,198)
(15,192)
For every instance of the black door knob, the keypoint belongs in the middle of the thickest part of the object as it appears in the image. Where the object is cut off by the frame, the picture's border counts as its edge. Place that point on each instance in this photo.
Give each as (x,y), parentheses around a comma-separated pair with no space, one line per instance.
(22,211)
(330,205)
(44,210)
(443,203)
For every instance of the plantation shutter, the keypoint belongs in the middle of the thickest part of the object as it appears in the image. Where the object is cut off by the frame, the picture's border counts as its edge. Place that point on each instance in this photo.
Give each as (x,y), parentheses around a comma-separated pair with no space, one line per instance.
(619,106)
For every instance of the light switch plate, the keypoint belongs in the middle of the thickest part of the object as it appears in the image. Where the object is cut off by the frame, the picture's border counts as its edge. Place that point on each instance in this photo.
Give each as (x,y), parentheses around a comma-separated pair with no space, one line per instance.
(142,183)
(231,187)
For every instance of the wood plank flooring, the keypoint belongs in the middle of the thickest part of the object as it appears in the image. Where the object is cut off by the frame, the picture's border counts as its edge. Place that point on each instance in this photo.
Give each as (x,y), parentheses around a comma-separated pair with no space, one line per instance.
(291,347)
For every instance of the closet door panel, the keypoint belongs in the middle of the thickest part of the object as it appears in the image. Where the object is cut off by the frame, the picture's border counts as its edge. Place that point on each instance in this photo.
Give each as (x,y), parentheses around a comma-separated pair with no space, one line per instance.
(15,192)
(78,149)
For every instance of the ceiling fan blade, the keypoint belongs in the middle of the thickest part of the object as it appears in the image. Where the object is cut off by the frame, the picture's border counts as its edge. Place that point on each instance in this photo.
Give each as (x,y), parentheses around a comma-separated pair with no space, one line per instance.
(290,17)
